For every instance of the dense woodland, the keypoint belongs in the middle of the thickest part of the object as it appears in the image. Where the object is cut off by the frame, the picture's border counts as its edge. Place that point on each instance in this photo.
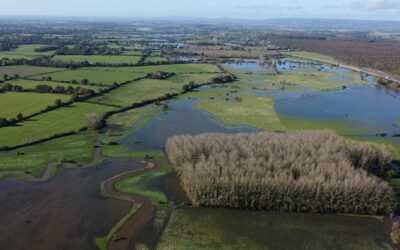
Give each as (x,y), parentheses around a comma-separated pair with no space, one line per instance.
(297,171)
(380,55)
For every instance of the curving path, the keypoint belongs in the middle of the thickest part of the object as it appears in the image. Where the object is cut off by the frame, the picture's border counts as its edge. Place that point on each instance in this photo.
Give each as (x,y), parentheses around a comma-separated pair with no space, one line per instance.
(142,216)
(137,222)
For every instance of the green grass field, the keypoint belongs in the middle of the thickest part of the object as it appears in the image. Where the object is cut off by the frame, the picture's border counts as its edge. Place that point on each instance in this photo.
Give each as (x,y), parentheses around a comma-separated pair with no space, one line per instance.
(128,118)
(27,50)
(24,70)
(93,75)
(31,84)
(74,148)
(176,68)
(13,103)
(64,119)
(293,81)
(5,55)
(93,59)
(149,89)
(155,59)
(253,111)
(211,228)
(315,80)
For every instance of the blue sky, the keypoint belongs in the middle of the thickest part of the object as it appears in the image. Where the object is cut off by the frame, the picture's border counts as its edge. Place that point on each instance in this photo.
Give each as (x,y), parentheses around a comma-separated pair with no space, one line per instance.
(248,9)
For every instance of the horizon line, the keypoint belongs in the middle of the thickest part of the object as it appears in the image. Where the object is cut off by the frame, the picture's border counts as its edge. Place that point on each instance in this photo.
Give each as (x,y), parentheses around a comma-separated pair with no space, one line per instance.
(191,18)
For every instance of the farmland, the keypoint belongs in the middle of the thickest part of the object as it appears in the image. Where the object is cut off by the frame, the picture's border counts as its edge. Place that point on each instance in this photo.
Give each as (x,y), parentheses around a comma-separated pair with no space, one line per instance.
(24,71)
(75,148)
(26,103)
(93,75)
(176,68)
(98,59)
(26,50)
(147,89)
(65,119)
(32,84)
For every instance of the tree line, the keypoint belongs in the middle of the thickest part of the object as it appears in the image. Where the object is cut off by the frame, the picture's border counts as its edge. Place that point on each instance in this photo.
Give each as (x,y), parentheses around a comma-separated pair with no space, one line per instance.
(305,171)
(44,88)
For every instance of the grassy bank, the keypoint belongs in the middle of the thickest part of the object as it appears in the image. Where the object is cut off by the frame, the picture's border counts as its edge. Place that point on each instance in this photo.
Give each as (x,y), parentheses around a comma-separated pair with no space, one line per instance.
(102,242)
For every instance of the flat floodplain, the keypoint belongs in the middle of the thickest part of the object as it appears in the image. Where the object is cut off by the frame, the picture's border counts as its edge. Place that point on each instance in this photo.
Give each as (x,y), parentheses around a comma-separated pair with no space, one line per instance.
(101,59)
(27,50)
(75,148)
(24,70)
(31,84)
(176,68)
(65,119)
(14,103)
(146,89)
(97,75)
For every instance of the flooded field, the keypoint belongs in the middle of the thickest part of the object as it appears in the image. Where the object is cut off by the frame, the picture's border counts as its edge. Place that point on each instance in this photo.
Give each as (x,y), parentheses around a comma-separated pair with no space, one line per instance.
(366,107)
(181,118)
(71,213)
(67,212)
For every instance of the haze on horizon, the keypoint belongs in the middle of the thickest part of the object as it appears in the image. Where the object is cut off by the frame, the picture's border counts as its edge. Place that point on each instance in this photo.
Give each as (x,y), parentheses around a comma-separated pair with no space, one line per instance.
(242,9)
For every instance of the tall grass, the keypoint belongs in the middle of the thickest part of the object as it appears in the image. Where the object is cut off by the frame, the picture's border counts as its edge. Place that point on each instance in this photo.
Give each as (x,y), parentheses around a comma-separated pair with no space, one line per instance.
(298,171)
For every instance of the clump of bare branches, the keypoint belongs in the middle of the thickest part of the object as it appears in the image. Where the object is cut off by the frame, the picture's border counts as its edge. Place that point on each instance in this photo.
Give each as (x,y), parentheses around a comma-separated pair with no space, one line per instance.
(305,171)
(93,121)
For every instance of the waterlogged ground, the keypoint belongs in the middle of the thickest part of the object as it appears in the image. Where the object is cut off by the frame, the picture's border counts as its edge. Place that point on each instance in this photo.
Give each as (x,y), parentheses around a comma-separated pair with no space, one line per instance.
(359,110)
(309,95)
(208,228)
(179,226)
(70,212)
(180,118)
(67,212)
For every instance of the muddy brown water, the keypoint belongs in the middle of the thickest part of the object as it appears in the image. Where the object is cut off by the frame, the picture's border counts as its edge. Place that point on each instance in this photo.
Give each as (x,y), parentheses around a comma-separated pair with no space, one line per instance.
(67,212)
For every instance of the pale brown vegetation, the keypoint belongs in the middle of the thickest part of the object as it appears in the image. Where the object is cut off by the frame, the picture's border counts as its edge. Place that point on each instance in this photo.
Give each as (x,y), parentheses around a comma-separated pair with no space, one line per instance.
(297,171)
(93,122)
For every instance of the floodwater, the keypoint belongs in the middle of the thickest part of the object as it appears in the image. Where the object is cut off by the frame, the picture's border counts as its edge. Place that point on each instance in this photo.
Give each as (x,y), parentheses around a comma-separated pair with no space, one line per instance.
(181,118)
(66,212)
(370,107)
(207,228)
(373,109)
(250,65)
(186,227)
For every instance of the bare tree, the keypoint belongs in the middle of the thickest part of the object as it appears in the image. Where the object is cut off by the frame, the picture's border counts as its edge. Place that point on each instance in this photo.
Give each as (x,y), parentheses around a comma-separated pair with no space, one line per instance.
(297,171)
(93,122)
